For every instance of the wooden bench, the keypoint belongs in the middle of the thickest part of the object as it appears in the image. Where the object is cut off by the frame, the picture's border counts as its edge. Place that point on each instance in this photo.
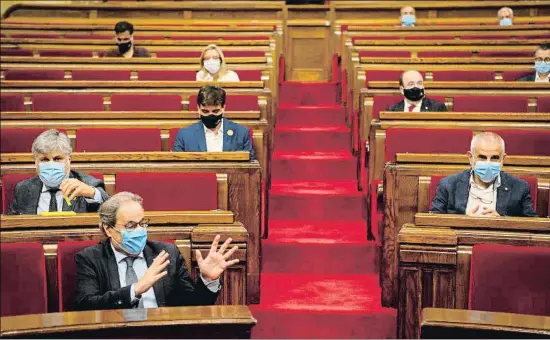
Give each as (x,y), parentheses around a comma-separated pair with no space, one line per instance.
(167,322)
(241,178)
(407,192)
(434,259)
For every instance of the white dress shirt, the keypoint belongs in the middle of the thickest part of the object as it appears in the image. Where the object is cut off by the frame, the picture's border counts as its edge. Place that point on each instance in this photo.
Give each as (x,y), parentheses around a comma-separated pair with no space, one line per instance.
(140,267)
(539,80)
(482,197)
(228,76)
(408,105)
(214,141)
(45,197)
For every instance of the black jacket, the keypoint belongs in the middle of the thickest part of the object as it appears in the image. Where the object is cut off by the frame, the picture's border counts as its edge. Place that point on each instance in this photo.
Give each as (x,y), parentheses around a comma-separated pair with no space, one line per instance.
(428,105)
(98,283)
(513,196)
(529,77)
(27,195)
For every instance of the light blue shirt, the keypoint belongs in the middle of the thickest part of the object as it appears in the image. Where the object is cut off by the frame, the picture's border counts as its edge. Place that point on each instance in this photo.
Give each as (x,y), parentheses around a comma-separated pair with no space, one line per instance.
(140,267)
(45,197)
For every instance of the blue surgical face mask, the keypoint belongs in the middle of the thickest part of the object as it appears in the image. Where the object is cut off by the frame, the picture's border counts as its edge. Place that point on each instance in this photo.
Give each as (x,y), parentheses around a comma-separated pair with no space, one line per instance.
(542,67)
(52,173)
(487,171)
(408,20)
(505,22)
(133,241)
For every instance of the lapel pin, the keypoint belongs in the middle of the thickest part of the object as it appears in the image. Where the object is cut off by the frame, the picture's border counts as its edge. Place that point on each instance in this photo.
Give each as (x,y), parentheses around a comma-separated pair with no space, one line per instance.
(505,188)
(230,132)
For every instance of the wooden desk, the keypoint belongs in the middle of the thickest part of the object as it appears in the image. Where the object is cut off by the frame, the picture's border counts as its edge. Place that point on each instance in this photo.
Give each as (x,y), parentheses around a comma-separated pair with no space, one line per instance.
(202,322)
(443,323)
(434,259)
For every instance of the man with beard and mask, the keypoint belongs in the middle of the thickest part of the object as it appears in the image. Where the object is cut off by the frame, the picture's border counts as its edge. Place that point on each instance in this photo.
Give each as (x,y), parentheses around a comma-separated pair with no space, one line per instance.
(411,85)
(542,66)
(484,190)
(56,183)
(126,270)
(213,133)
(125,43)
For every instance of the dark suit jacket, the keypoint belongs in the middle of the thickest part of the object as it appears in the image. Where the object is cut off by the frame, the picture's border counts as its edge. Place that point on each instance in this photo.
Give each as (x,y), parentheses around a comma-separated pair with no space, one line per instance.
(529,77)
(192,138)
(513,196)
(27,195)
(139,52)
(428,104)
(98,283)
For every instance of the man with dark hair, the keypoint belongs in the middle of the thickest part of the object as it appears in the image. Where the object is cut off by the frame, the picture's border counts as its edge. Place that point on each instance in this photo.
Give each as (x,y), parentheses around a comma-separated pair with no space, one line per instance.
(411,85)
(124,39)
(542,65)
(213,133)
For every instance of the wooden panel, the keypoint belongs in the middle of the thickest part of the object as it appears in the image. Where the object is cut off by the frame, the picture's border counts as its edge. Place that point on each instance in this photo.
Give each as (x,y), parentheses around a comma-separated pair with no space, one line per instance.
(309,51)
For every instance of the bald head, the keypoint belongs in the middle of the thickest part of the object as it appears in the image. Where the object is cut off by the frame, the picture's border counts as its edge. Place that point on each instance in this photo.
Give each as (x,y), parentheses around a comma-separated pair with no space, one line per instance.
(505,12)
(411,78)
(486,147)
(408,10)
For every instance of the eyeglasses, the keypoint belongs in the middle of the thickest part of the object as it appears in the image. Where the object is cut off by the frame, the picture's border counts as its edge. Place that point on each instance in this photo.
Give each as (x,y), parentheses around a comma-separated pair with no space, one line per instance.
(546,60)
(482,199)
(130,226)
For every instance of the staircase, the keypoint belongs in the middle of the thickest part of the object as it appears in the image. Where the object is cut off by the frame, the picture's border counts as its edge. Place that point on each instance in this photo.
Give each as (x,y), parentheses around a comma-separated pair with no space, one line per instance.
(319,273)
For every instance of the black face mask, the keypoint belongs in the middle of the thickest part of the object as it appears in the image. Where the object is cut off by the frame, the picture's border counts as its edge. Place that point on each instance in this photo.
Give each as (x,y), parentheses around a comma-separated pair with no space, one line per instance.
(211,121)
(414,94)
(124,47)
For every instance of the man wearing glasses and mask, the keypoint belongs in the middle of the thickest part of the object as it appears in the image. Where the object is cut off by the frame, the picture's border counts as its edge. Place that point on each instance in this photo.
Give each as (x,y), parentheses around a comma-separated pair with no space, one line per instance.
(484,190)
(125,43)
(126,270)
(542,66)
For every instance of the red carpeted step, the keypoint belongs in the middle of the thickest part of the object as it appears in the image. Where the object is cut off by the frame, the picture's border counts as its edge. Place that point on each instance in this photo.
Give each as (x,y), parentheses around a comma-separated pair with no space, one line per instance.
(317,247)
(313,166)
(292,115)
(325,138)
(298,93)
(322,306)
(316,200)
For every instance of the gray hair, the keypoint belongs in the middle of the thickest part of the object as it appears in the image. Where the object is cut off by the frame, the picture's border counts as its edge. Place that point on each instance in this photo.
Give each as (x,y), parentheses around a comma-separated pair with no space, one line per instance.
(507,9)
(51,141)
(109,209)
(486,136)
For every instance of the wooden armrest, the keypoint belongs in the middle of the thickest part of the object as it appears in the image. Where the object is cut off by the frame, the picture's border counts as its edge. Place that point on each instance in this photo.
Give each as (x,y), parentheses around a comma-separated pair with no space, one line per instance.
(458,323)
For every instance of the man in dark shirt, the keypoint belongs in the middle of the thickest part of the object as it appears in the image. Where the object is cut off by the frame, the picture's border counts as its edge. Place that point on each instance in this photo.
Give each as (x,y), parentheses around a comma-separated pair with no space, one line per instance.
(411,85)
(125,43)
(542,66)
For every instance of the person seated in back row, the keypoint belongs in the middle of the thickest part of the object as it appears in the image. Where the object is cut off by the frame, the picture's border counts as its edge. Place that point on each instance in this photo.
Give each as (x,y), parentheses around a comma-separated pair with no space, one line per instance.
(408,16)
(411,85)
(213,133)
(124,39)
(56,181)
(213,66)
(542,66)
(484,190)
(505,16)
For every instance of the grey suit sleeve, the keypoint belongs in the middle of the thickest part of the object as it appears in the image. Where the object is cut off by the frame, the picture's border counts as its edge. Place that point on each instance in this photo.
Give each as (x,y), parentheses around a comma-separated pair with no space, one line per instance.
(527,204)
(441,200)
(14,208)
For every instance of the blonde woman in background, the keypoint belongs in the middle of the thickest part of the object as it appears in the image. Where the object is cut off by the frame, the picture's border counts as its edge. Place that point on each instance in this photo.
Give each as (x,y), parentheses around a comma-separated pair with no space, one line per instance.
(213,67)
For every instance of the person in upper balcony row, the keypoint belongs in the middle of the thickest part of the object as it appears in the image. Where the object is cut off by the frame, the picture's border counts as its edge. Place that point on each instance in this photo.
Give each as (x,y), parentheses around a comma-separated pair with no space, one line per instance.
(124,40)
(408,16)
(411,85)
(542,66)
(213,66)
(505,16)
(213,133)
(55,181)
(484,190)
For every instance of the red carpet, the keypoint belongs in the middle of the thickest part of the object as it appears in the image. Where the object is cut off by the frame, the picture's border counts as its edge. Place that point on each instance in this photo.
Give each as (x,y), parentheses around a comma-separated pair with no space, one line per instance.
(319,272)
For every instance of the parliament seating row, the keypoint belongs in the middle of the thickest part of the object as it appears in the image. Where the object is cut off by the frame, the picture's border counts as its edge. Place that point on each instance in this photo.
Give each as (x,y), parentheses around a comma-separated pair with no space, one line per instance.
(139,36)
(41,53)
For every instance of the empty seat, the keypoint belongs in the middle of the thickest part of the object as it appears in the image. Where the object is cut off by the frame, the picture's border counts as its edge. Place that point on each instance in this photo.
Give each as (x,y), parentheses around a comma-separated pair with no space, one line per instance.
(463,75)
(12,102)
(374,37)
(410,140)
(35,36)
(23,275)
(88,36)
(196,37)
(122,75)
(235,54)
(172,75)
(118,140)
(382,103)
(146,102)
(430,37)
(526,142)
(384,54)
(172,191)
(15,52)
(505,54)
(66,272)
(67,102)
(383,75)
(444,54)
(179,54)
(9,181)
(510,279)
(250,75)
(65,53)
(232,103)
(543,104)
(490,104)
(515,75)
(19,139)
(34,75)
(149,37)
(244,37)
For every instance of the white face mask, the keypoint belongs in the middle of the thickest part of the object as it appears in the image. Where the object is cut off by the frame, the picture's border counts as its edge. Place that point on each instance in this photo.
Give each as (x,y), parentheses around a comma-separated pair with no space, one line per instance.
(212,65)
